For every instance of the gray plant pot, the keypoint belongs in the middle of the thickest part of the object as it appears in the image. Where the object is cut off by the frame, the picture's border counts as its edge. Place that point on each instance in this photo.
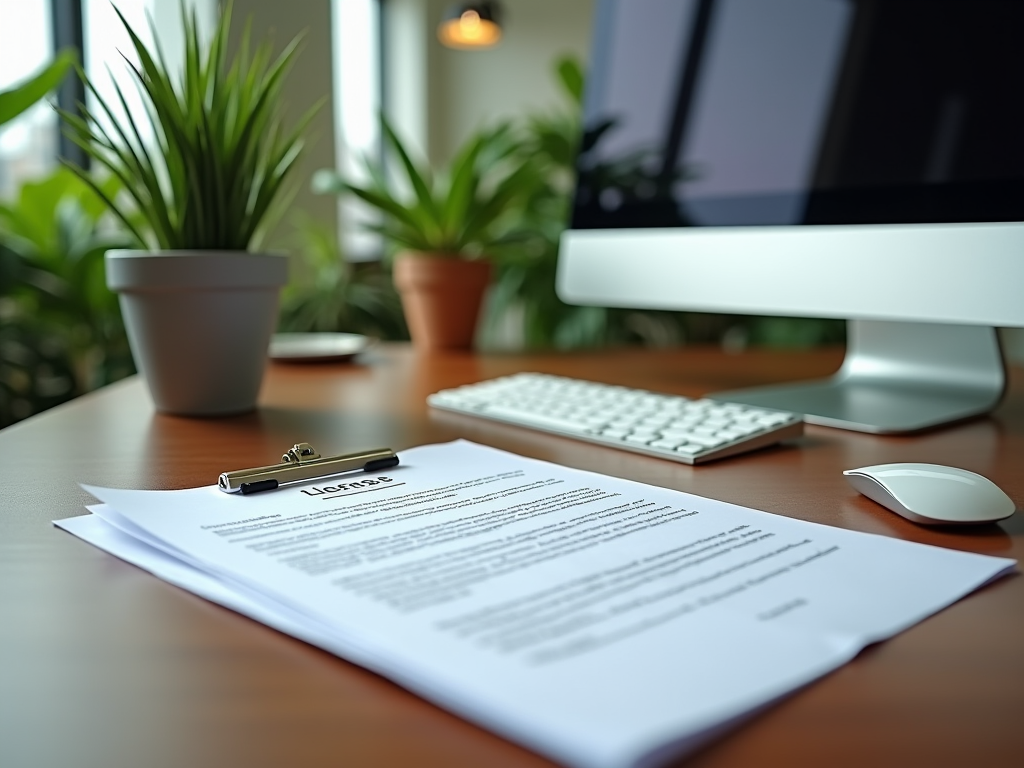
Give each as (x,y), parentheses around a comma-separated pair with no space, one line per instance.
(199,323)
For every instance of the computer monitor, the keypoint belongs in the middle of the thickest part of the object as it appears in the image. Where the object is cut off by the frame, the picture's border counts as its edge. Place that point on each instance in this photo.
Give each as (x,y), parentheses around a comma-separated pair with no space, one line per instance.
(855,159)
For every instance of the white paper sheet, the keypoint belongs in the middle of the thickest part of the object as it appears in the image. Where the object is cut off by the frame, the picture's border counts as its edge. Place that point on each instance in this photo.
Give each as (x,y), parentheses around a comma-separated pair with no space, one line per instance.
(593,619)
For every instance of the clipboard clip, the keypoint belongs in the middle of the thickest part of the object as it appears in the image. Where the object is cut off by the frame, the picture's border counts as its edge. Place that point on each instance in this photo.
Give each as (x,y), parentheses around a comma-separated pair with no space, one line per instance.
(302,462)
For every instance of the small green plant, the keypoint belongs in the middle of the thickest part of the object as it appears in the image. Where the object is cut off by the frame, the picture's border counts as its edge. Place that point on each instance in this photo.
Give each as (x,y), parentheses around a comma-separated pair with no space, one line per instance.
(215,177)
(470,210)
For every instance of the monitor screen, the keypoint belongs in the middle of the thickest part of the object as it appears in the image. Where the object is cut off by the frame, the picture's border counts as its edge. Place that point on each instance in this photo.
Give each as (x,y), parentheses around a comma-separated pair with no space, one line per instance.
(738,113)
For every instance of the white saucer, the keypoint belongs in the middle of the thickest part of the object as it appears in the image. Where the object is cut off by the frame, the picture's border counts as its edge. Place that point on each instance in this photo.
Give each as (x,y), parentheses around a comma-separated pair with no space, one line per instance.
(317,347)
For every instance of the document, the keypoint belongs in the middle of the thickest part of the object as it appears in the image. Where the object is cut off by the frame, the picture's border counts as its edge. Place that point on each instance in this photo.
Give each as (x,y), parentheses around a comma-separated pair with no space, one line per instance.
(602,622)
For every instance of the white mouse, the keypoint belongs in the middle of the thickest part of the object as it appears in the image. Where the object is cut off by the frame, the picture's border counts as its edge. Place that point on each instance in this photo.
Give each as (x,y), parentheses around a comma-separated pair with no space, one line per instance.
(933,494)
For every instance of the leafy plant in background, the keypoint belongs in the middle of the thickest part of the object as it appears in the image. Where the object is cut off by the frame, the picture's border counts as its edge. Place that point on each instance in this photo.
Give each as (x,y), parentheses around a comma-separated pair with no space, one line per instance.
(471,210)
(334,294)
(62,333)
(215,178)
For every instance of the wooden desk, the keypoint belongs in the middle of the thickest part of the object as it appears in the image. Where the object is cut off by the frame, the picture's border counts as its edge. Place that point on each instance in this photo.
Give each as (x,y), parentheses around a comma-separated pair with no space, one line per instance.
(103,665)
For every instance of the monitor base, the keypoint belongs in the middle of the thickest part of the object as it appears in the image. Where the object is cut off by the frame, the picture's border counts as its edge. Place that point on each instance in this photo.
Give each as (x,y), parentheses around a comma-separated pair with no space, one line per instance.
(896,378)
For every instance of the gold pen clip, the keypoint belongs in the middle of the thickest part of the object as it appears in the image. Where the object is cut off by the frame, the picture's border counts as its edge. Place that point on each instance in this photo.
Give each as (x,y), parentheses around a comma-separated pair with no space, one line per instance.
(302,462)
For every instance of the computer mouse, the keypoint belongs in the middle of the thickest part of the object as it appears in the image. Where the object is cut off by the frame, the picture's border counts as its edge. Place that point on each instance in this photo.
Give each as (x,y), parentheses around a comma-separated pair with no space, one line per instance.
(932,494)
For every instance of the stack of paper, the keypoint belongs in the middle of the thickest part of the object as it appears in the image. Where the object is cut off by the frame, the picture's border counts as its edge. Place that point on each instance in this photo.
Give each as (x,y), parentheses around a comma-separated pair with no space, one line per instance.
(599,621)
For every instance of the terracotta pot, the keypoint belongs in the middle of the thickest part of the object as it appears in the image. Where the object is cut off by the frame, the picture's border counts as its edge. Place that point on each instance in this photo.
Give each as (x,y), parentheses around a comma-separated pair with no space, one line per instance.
(441,296)
(199,323)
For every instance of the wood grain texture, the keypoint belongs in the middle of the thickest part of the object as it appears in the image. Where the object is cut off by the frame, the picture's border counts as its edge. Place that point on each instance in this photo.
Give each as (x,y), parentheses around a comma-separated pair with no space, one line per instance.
(103,665)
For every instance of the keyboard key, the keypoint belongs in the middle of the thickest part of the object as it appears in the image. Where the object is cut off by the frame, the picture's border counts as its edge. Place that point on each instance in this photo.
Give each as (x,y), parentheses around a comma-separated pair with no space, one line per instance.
(717,421)
(655,421)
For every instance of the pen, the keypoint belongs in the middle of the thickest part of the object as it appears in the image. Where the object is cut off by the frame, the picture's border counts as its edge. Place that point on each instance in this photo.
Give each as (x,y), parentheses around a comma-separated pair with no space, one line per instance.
(302,462)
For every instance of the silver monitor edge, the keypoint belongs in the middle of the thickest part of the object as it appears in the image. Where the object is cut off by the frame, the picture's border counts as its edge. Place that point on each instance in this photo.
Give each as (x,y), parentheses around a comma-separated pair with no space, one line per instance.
(970,273)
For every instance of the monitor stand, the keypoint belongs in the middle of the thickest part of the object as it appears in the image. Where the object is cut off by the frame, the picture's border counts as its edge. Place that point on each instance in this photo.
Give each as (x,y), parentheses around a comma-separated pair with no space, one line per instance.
(897,377)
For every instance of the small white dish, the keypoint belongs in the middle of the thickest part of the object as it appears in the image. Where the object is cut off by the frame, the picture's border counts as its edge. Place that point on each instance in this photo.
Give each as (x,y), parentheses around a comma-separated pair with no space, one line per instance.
(317,347)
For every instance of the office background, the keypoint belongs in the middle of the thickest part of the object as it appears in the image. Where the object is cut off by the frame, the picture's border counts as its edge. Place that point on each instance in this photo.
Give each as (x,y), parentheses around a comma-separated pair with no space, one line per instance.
(359,57)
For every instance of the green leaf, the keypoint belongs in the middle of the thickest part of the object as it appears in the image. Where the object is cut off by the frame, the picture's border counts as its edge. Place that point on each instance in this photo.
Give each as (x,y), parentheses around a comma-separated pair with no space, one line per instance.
(388,205)
(419,179)
(462,188)
(16,100)
(109,200)
(570,75)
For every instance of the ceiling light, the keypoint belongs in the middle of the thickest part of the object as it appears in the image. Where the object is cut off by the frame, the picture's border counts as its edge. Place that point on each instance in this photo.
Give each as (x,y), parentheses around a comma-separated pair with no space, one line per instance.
(471,25)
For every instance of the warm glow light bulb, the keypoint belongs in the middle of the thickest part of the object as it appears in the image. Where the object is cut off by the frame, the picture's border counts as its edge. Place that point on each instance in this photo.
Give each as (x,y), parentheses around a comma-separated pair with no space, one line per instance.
(469,25)
(469,30)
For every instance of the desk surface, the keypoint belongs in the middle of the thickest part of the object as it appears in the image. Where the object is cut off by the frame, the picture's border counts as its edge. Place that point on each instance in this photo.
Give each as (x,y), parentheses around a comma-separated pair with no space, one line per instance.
(103,665)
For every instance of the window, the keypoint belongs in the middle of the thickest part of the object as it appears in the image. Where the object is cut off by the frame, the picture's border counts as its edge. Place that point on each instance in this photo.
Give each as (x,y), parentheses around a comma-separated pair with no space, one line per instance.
(357,98)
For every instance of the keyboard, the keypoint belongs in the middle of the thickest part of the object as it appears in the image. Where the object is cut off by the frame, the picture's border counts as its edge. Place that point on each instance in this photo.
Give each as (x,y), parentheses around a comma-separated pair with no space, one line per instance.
(667,426)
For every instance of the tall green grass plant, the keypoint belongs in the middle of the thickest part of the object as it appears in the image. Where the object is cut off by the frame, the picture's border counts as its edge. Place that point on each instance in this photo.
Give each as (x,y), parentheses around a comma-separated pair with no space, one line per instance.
(214,178)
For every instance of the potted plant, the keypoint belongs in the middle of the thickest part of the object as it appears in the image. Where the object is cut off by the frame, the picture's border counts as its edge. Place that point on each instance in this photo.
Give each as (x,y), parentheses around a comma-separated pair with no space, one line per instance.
(199,304)
(448,227)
